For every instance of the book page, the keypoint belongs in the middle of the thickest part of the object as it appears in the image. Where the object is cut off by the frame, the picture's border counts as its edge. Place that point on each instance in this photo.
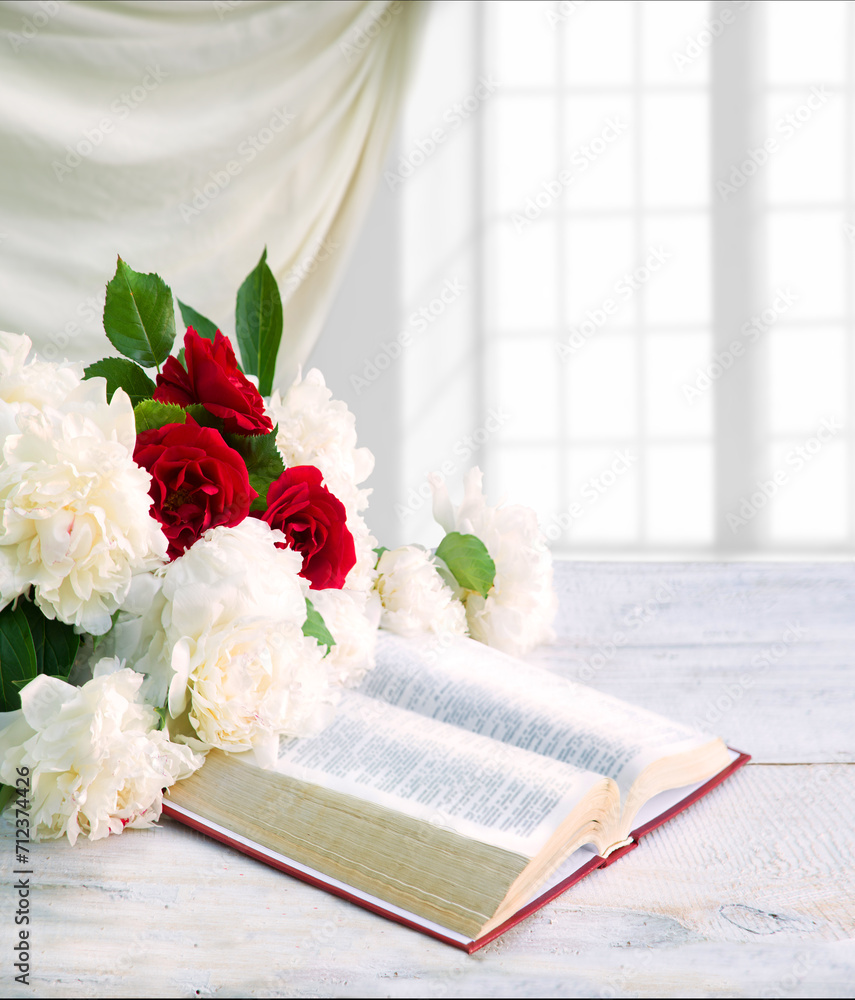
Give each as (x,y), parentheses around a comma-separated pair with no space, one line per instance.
(498,794)
(482,690)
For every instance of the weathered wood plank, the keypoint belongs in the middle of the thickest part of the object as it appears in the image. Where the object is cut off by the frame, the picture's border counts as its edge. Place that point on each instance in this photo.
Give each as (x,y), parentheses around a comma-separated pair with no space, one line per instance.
(763,655)
(792,703)
(751,892)
(703,603)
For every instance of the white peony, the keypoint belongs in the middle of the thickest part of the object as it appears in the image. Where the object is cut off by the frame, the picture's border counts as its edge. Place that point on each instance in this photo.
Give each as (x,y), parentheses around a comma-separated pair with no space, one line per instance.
(352,618)
(361,577)
(96,762)
(74,508)
(223,641)
(234,573)
(518,612)
(415,597)
(315,429)
(250,683)
(33,383)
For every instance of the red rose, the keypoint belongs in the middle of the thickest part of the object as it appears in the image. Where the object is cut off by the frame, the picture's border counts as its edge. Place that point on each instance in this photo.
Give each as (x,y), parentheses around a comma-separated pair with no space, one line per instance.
(213,379)
(197,481)
(315,524)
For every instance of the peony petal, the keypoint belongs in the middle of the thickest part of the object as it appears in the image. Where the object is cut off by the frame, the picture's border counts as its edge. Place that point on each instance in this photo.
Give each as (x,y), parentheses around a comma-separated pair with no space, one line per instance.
(177,700)
(443,512)
(43,697)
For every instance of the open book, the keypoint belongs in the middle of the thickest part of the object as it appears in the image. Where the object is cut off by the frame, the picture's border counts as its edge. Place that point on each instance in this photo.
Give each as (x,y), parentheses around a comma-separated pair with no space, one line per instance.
(457,792)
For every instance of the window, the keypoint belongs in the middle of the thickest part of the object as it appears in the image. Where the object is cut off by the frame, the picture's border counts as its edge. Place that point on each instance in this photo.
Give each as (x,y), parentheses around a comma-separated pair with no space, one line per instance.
(626,258)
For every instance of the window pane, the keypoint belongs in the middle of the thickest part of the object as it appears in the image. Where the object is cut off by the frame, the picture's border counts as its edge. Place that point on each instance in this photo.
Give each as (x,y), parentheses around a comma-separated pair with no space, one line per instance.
(523,43)
(599,152)
(807,378)
(673,361)
(674,270)
(602,507)
(521,274)
(806,41)
(806,163)
(525,475)
(602,389)
(806,252)
(675,41)
(521,143)
(812,504)
(599,44)
(600,258)
(679,495)
(522,389)
(675,173)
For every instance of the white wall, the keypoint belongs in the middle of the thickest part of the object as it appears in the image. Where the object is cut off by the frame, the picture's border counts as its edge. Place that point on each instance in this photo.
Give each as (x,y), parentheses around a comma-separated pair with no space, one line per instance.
(706,460)
(363,316)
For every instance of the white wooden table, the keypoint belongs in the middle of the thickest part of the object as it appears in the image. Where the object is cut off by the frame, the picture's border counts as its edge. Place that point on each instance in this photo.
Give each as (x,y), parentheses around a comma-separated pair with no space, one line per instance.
(751,892)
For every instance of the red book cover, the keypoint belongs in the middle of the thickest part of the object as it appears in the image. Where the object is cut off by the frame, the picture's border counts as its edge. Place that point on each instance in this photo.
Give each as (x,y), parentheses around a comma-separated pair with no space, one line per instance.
(583,862)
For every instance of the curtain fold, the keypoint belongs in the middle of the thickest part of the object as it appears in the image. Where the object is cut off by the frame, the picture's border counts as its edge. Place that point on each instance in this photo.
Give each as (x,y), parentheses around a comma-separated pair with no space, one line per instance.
(184,137)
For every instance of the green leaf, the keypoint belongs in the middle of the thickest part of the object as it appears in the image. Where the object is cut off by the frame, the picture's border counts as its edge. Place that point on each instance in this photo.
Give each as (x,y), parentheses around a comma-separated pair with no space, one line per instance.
(263,462)
(315,627)
(122,374)
(139,317)
(203,417)
(201,324)
(22,682)
(259,324)
(54,643)
(150,414)
(469,561)
(17,656)
(181,359)
(7,793)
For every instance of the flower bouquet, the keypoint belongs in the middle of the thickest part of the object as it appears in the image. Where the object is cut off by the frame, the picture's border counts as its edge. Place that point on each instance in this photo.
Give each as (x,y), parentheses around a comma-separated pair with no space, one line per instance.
(185,564)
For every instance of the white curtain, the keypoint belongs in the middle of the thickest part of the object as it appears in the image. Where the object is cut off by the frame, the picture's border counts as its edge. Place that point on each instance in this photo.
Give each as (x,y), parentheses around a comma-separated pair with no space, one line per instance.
(184,136)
